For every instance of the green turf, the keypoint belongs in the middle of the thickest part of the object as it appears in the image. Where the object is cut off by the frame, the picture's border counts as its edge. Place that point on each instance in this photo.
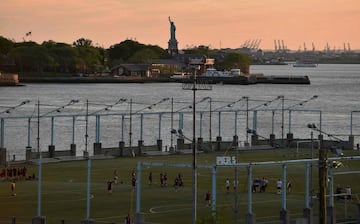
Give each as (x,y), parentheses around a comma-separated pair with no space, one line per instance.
(64,188)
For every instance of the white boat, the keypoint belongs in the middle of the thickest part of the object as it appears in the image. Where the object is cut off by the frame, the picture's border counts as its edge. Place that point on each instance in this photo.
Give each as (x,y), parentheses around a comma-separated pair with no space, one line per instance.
(179,76)
(211,72)
(213,76)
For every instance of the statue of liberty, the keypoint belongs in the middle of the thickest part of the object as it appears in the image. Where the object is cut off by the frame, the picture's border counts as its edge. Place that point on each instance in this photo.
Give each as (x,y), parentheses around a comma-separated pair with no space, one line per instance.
(173,43)
(172,30)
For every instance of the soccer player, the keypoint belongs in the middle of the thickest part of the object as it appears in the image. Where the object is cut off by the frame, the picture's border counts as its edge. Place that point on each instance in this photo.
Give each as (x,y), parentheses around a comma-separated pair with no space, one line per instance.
(208,198)
(289,186)
(278,186)
(133,183)
(13,186)
(150,179)
(109,186)
(227,185)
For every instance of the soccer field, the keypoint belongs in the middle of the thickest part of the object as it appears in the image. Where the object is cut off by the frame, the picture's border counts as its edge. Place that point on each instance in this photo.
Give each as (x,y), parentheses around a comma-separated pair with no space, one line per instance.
(64,190)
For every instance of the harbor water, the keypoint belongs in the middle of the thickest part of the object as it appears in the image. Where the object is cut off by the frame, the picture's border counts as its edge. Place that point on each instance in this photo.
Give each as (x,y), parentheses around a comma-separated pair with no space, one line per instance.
(337,88)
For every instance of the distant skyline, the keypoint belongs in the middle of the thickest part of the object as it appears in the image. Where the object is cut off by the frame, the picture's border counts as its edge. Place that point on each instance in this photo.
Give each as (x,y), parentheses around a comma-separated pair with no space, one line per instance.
(225,24)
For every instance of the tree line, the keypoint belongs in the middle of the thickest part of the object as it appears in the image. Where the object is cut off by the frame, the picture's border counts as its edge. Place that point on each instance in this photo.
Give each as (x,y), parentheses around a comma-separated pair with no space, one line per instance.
(82,56)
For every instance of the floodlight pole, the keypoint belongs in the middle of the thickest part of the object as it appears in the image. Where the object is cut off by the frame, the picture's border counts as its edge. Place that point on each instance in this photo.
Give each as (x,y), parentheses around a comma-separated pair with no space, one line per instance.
(210,124)
(236,209)
(247,118)
(86,153)
(282,116)
(40,162)
(130,131)
(322,178)
(194,186)
(194,87)
(172,124)
(88,188)
(311,171)
(322,185)
(2,133)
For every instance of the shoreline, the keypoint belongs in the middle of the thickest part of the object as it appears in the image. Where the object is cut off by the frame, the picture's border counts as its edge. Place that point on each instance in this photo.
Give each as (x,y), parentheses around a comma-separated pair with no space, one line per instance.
(92,80)
(241,80)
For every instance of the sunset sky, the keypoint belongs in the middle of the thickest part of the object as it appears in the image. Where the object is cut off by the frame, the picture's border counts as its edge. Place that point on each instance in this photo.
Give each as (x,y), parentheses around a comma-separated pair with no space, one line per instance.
(227,23)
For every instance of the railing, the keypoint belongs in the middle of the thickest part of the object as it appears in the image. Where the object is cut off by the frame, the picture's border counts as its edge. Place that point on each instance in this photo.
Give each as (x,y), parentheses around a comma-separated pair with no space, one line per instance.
(63,130)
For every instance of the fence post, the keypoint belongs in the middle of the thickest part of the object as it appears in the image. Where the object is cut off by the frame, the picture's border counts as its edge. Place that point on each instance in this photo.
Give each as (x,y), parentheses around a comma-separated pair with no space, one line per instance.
(358,219)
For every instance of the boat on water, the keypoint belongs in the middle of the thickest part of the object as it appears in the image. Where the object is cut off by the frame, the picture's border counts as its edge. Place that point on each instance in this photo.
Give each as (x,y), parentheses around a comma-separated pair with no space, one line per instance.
(211,72)
(304,65)
(213,76)
(235,77)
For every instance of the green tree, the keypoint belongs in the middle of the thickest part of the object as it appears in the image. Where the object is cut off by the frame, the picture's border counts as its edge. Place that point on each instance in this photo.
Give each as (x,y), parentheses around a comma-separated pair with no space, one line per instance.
(161,53)
(201,50)
(5,45)
(31,57)
(129,51)
(82,42)
(234,60)
(123,50)
(89,59)
(144,55)
(64,55)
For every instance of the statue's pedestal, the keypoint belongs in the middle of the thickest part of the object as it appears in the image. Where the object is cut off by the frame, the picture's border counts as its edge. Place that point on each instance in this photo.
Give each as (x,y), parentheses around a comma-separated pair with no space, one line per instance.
(173,46)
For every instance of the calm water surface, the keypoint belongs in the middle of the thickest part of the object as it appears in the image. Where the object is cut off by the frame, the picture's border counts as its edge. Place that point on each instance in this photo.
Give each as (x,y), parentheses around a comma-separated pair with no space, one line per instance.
(336,85)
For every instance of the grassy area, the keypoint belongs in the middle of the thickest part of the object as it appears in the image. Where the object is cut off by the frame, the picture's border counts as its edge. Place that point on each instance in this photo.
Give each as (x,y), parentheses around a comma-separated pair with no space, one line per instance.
(64,188)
